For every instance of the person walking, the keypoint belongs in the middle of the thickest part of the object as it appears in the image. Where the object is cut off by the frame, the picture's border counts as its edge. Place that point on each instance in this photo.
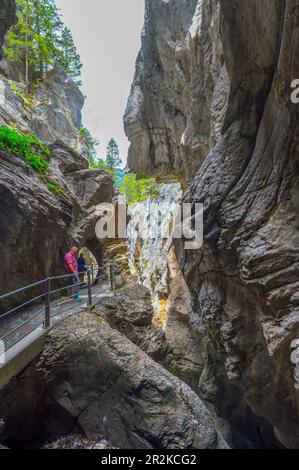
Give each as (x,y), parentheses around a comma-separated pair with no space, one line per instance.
(81,267)
(71,265)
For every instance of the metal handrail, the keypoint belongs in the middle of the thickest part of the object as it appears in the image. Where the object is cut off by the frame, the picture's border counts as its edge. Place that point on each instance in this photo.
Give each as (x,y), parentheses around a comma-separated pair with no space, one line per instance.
(36,284)
(60,277)
(21,306)
(22,324)
(23,289)
(63,288)
(47,296)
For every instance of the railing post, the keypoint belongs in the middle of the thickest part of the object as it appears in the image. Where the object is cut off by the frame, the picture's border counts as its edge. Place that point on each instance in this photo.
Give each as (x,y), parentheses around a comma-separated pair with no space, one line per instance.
(89,289)
(48,304)
(112,277)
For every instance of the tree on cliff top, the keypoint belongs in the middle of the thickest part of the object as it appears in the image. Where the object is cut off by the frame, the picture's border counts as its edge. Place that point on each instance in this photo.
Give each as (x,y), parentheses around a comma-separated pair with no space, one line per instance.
(111,164)
(39,39)
(112,155)
(70,59)
(92,144)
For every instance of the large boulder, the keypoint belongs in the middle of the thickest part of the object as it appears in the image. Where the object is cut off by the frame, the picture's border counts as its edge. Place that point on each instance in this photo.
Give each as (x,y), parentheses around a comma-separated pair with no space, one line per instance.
(131,312)
(91,378)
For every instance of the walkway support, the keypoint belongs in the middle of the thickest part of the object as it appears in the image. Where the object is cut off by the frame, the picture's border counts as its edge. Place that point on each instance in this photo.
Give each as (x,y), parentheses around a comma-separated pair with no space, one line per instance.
(41,318)
(112,276)
(24,340)
(89,289)
(48,305)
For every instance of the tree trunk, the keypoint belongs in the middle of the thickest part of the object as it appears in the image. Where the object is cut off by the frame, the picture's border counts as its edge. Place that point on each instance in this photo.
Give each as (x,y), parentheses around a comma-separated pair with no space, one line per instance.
(26,58)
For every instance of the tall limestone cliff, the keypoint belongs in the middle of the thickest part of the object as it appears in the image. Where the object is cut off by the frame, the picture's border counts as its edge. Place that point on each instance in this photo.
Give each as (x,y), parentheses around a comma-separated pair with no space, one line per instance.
(210,107)
(90,378)
(37,224)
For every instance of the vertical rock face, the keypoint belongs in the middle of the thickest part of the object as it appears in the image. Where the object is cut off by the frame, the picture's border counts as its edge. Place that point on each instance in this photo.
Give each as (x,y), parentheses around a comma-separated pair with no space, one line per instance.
(37,225)
(153,260)
(52,111)
(7,18)
(149,256)
(211,105)
(167,120)
(57,115)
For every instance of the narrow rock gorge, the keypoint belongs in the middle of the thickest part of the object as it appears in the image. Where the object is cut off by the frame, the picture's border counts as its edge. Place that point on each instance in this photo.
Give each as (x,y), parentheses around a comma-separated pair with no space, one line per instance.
(210,107)
(99,374)
(37,224)
(194,349)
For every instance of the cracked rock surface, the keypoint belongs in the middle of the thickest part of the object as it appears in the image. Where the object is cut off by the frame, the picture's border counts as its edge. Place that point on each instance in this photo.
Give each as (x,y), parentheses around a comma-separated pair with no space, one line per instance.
(210,105)
(90,378)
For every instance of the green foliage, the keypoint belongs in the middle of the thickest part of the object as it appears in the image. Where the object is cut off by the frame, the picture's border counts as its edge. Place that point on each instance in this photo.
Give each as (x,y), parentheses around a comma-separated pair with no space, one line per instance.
(119,175)
(39,39)
(112,155)
(138,190)
(70,59)
(28,100)
(101,165)
(56,188)
(112,161)
(19,39)
(92,145)
(29,148)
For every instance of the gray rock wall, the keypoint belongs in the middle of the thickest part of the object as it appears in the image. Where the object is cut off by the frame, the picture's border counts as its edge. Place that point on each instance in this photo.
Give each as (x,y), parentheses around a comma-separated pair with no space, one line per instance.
(52,111)
(7,18)
(37,227)
(210,105)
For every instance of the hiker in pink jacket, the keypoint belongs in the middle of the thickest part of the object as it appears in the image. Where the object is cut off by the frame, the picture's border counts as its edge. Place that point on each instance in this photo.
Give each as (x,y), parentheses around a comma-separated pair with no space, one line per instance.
(71,266)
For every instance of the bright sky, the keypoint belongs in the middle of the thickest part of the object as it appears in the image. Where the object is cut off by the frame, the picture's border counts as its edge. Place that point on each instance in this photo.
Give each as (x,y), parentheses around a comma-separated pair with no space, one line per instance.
(107,35)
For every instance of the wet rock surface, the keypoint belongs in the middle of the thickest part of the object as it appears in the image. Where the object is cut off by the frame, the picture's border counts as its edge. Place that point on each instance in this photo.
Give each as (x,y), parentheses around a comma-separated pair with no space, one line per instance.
(210,105)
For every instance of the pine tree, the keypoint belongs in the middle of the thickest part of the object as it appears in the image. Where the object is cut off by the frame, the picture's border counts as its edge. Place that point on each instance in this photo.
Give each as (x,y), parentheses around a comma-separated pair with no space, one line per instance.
(70,59)
(92,144)
(46,25)
(112,155)
(19,42)
(39,39)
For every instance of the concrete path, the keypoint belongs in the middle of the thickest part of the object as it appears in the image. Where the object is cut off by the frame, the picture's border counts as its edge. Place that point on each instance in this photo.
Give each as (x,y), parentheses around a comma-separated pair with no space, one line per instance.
(13,326)
(24,342)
